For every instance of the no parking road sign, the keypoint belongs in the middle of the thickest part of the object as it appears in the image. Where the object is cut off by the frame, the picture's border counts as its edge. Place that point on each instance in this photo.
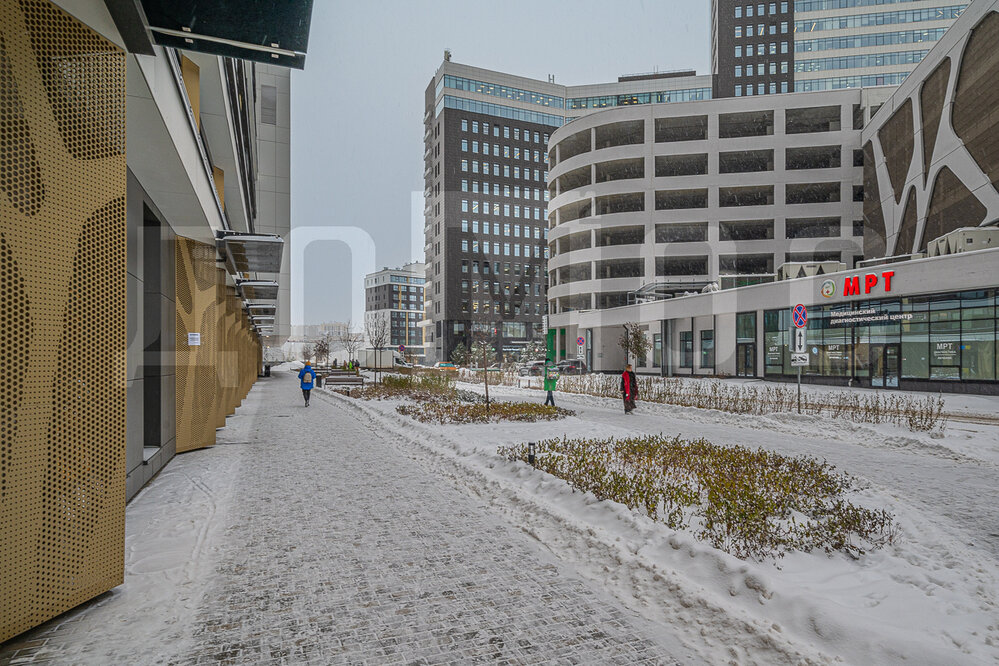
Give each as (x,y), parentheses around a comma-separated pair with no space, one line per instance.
(800,315)
(580,341)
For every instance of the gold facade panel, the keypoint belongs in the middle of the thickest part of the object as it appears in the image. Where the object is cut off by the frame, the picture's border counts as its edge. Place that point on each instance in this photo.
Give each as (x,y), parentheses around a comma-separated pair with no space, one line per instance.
(62,314)
(215,376)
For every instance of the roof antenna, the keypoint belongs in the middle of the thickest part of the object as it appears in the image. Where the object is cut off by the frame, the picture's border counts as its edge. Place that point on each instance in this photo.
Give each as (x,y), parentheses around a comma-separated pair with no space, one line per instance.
(447,55)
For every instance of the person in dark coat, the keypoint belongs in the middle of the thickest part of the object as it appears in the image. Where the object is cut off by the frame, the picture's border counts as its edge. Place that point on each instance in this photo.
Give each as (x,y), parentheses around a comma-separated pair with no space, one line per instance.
(308,377)
(629,388)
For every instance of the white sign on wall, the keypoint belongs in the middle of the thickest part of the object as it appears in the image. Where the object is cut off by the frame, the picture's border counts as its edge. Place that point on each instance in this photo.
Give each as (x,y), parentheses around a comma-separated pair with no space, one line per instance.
(194,339)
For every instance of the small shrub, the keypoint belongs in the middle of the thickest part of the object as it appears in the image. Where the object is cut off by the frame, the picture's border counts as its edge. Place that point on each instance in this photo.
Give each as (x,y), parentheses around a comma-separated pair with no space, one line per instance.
(751,504)
(480,412)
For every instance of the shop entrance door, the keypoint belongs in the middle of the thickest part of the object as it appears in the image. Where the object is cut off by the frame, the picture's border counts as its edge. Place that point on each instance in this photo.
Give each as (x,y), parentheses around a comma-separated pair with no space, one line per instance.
(885,365)
(745,359)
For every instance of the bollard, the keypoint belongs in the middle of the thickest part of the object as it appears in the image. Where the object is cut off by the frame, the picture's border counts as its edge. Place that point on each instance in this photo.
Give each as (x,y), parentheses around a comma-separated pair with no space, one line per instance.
(530,453)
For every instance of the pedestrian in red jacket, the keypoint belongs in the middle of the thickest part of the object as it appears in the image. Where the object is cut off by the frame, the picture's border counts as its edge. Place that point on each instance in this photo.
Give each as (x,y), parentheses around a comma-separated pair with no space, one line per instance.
(629,388)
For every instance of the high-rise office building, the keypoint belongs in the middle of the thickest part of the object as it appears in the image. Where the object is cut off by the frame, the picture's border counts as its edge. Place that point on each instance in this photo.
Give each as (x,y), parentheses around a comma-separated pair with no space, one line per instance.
(486,136)
(396,295)
(752,47)
(808,45)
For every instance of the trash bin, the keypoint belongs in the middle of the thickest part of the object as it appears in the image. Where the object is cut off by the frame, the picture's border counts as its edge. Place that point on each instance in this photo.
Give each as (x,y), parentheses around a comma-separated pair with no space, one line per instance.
(319,380)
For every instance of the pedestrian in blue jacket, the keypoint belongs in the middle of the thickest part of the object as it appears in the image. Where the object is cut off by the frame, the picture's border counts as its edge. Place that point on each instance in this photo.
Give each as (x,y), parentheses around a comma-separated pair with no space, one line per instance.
(308,377)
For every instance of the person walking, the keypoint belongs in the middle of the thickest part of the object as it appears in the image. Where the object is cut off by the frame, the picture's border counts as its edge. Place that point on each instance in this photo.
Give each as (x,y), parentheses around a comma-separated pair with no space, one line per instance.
(308,377)
(551,379)
(629,388)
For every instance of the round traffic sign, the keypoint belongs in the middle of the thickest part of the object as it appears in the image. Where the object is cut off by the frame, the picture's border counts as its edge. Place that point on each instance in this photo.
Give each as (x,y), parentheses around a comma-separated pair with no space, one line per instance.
(800,315)
(402,348)
(580,341)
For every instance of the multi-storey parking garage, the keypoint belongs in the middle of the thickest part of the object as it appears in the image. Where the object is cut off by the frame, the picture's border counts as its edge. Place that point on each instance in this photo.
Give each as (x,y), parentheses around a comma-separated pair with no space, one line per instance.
(674,198)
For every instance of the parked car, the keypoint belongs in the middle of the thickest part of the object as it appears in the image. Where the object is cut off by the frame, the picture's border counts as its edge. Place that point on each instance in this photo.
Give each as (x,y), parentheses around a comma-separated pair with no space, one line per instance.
(532,369)
(444,365)
(572,367)
(402,364)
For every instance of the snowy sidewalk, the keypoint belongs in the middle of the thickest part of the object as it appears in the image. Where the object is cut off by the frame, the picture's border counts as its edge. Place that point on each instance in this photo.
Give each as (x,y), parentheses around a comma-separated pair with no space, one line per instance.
(307,536)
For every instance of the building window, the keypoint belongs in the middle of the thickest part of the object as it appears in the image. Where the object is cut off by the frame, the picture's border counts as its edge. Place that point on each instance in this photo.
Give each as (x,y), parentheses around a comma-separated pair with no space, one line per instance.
(749,11)
(738,11)
(773,8)
(268,105)
(657,350)
(738,51)
(783,67)
(773,87)
(783,47)
(686,349)
(464,125)
(738,71)
(738,31)
(783,27)
(760,48)
(773,67)
(738,90)
(783,86)
(759,89)
(773,48)
(707,350)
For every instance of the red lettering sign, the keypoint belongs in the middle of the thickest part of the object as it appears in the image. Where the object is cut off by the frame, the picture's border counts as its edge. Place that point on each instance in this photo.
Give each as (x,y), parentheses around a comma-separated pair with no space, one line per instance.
(869,281)
(851,286)
(887,275)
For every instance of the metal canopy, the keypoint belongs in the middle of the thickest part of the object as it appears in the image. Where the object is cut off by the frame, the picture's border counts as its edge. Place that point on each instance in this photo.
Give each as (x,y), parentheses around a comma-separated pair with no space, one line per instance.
(271,31)
(258,289)
(261,309)
(251,253)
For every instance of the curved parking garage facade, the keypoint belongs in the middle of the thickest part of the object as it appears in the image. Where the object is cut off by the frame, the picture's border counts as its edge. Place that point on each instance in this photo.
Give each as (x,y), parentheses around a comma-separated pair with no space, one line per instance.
(672,198)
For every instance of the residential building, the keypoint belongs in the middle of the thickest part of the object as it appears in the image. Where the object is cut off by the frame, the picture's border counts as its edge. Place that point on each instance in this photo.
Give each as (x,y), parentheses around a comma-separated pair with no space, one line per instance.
(486,136)
(923,317)
(139,280)
(397,296)
(810,45)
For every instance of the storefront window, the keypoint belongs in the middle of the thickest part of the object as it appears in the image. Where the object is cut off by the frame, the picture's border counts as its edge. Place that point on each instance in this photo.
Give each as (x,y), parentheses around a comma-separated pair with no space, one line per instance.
(657,350)
(707,350)
(937,337)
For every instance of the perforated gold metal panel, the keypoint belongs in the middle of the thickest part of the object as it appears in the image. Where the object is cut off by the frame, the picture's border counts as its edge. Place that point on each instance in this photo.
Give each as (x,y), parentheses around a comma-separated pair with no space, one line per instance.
(197,284)
(62,314)
(213,377)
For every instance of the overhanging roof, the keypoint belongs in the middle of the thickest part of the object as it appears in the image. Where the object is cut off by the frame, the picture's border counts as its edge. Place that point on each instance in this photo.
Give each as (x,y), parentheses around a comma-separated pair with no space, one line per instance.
(271,31)
(261,309)
(252,253)
(258,289)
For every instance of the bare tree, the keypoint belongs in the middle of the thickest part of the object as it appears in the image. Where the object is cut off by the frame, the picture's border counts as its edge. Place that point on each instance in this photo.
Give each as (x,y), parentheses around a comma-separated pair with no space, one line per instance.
(348,338)
(307,353)
(484,351)
(634,342)
(322,349)
(377,329)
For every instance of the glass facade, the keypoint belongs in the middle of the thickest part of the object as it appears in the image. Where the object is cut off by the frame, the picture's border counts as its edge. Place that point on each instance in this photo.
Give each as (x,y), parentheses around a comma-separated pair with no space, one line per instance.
(661,97)
(857,61)
(499,110)
(516,94)
(880,18)
(822,5)
(874,39)
(948,337)
(858,81)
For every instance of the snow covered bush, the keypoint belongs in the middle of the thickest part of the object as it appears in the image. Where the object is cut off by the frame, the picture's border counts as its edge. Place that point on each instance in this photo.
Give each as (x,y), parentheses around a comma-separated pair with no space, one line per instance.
(915,413)
(421,387)
(751,504)
(480,412)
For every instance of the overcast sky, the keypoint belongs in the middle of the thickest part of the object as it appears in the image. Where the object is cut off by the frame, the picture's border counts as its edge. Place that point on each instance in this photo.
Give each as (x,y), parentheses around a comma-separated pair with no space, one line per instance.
(357,108)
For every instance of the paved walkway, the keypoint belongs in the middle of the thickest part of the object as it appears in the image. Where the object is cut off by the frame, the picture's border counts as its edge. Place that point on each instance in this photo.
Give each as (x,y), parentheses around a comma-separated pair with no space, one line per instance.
(338,547)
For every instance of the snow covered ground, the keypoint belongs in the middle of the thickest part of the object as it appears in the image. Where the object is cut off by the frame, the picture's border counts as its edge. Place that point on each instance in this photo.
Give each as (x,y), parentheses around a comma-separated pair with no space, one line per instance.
(929,599)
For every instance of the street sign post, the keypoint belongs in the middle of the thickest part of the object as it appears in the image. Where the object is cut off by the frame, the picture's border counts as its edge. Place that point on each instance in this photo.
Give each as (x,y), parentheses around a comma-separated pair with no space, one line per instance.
(799,355)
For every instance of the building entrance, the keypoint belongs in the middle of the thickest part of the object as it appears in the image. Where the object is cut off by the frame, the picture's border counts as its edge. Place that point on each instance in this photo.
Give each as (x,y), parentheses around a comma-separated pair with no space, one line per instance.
(885,365)
(745,359)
